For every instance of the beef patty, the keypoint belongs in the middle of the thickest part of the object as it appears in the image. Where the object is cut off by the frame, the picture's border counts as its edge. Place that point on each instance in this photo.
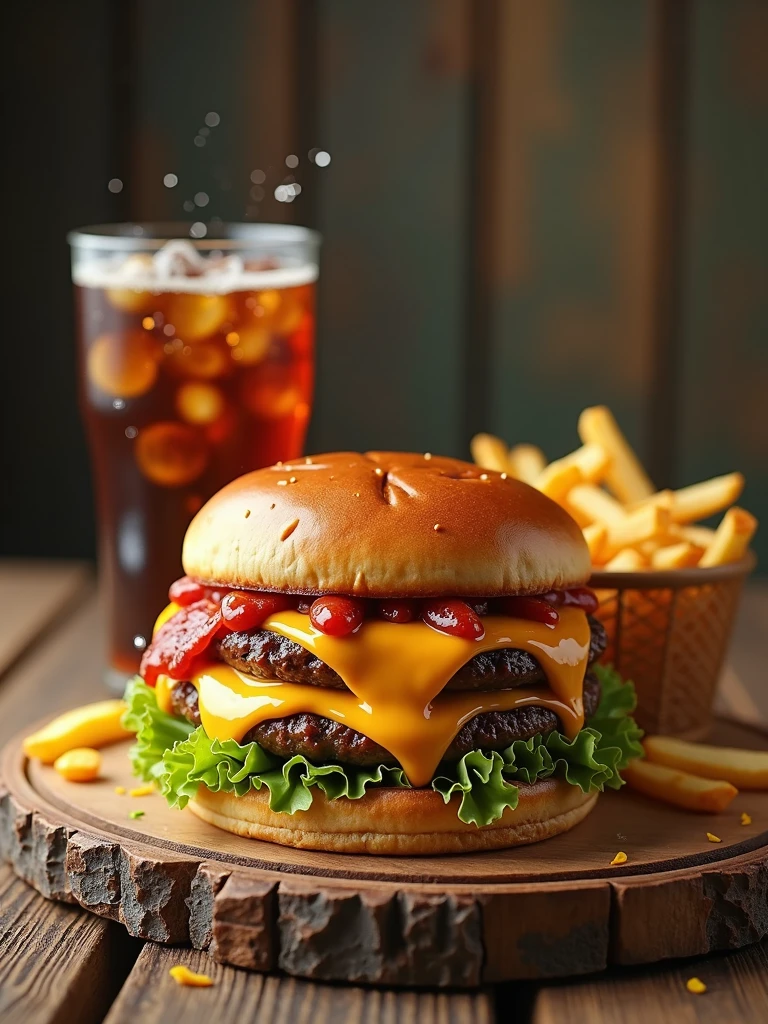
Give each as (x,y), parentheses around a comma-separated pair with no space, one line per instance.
(268,655)
(322,740)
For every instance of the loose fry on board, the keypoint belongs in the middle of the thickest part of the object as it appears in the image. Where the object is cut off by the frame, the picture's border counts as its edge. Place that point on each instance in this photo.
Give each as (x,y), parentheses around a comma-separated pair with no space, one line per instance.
(731,539)
(557,480)
(679,788)
(625,475)
(627,560)
(93,725)
(526,462)
(747,769)
(489,452)
(595,505)
(676,556)
(82,764)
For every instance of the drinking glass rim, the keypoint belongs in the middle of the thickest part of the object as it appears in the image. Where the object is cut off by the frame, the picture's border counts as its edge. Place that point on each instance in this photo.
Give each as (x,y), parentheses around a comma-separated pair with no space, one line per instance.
(129,236)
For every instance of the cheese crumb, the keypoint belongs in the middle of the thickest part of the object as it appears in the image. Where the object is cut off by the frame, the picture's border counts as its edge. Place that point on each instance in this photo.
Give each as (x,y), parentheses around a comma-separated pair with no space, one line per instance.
(503,476)
(696,985)
(483,476)
(427,456)
(183,976)
(437,528)
(282,483)
(120,790)
(745,818)
(141,790)
(620,858)
(713,838)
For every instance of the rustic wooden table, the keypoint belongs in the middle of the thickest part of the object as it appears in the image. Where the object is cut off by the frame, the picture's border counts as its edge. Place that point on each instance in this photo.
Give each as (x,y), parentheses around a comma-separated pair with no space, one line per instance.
(57,963)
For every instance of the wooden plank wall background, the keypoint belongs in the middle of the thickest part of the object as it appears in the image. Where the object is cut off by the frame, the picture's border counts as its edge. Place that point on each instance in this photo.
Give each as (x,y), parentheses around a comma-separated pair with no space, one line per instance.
(530,207)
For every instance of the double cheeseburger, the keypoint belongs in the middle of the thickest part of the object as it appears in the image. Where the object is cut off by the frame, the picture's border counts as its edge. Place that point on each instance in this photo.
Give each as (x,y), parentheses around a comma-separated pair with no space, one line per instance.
(382,653)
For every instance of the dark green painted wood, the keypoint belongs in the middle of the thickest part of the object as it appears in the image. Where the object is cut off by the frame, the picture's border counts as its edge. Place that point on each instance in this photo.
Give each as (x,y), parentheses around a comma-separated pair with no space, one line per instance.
(573,188)
(192,58)
(725,367)
(393,97)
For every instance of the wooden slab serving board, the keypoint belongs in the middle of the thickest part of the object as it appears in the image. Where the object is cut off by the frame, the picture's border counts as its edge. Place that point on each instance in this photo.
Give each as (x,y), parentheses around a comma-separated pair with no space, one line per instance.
(552,909)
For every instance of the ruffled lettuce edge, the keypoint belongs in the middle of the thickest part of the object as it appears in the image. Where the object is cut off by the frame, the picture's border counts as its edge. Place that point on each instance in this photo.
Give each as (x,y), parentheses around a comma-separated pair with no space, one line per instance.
(178,758)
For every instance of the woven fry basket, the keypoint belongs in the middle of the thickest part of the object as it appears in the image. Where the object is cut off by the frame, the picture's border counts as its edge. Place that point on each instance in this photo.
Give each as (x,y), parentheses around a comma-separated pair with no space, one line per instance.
(668,631)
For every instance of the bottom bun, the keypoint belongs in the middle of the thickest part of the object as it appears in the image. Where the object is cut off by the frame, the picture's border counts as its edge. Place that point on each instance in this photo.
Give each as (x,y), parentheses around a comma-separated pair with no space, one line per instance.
(396,821)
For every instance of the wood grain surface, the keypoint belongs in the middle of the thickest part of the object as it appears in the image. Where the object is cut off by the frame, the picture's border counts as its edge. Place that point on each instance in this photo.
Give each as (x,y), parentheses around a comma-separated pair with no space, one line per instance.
(57,964)
(33,595)
(152,997)
(737,993)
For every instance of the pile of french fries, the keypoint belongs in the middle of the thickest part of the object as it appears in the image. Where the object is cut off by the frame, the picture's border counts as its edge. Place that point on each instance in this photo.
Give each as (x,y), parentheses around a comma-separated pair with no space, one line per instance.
(696,776)
(627,524)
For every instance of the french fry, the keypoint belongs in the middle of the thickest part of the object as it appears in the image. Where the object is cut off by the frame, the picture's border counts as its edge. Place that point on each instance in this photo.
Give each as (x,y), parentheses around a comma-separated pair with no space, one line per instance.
(595,535)
(658,526)
(747,769)
(644,524)
(731,538)
(557,480)
(701,536)
(526,462)
(595,505)
(705,499)
(661,499)
(627,560)
(679,788)
(676,556)
(625,476)
(489,452)
(93,725)
(591,459)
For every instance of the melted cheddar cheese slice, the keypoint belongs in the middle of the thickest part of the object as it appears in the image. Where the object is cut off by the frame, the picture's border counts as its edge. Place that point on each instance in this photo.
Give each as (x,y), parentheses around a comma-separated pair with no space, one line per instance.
(396,674)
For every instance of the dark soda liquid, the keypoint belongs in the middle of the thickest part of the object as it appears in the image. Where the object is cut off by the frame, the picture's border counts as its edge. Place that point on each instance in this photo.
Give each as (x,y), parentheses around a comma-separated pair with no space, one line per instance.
(181,392)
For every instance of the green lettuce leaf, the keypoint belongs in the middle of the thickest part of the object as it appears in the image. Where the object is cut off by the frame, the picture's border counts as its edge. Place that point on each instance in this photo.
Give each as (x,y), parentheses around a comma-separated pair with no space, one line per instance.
(156,731)
(478,779)
(179,757)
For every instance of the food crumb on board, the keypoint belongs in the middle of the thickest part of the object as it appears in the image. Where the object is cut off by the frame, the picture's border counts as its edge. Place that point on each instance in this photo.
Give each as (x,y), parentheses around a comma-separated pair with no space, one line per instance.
(142,790)
(745,818)
(620,858)
(713,838)
(696,985)
(120,790)
(136,814)
(183,976)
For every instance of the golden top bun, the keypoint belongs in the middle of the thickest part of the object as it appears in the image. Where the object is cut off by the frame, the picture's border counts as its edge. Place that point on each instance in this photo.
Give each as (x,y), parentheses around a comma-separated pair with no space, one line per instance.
(384,524)
(396,821)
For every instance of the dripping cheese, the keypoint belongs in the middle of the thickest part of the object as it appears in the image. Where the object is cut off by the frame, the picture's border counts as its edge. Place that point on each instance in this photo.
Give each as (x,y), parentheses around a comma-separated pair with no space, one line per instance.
(396,674)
